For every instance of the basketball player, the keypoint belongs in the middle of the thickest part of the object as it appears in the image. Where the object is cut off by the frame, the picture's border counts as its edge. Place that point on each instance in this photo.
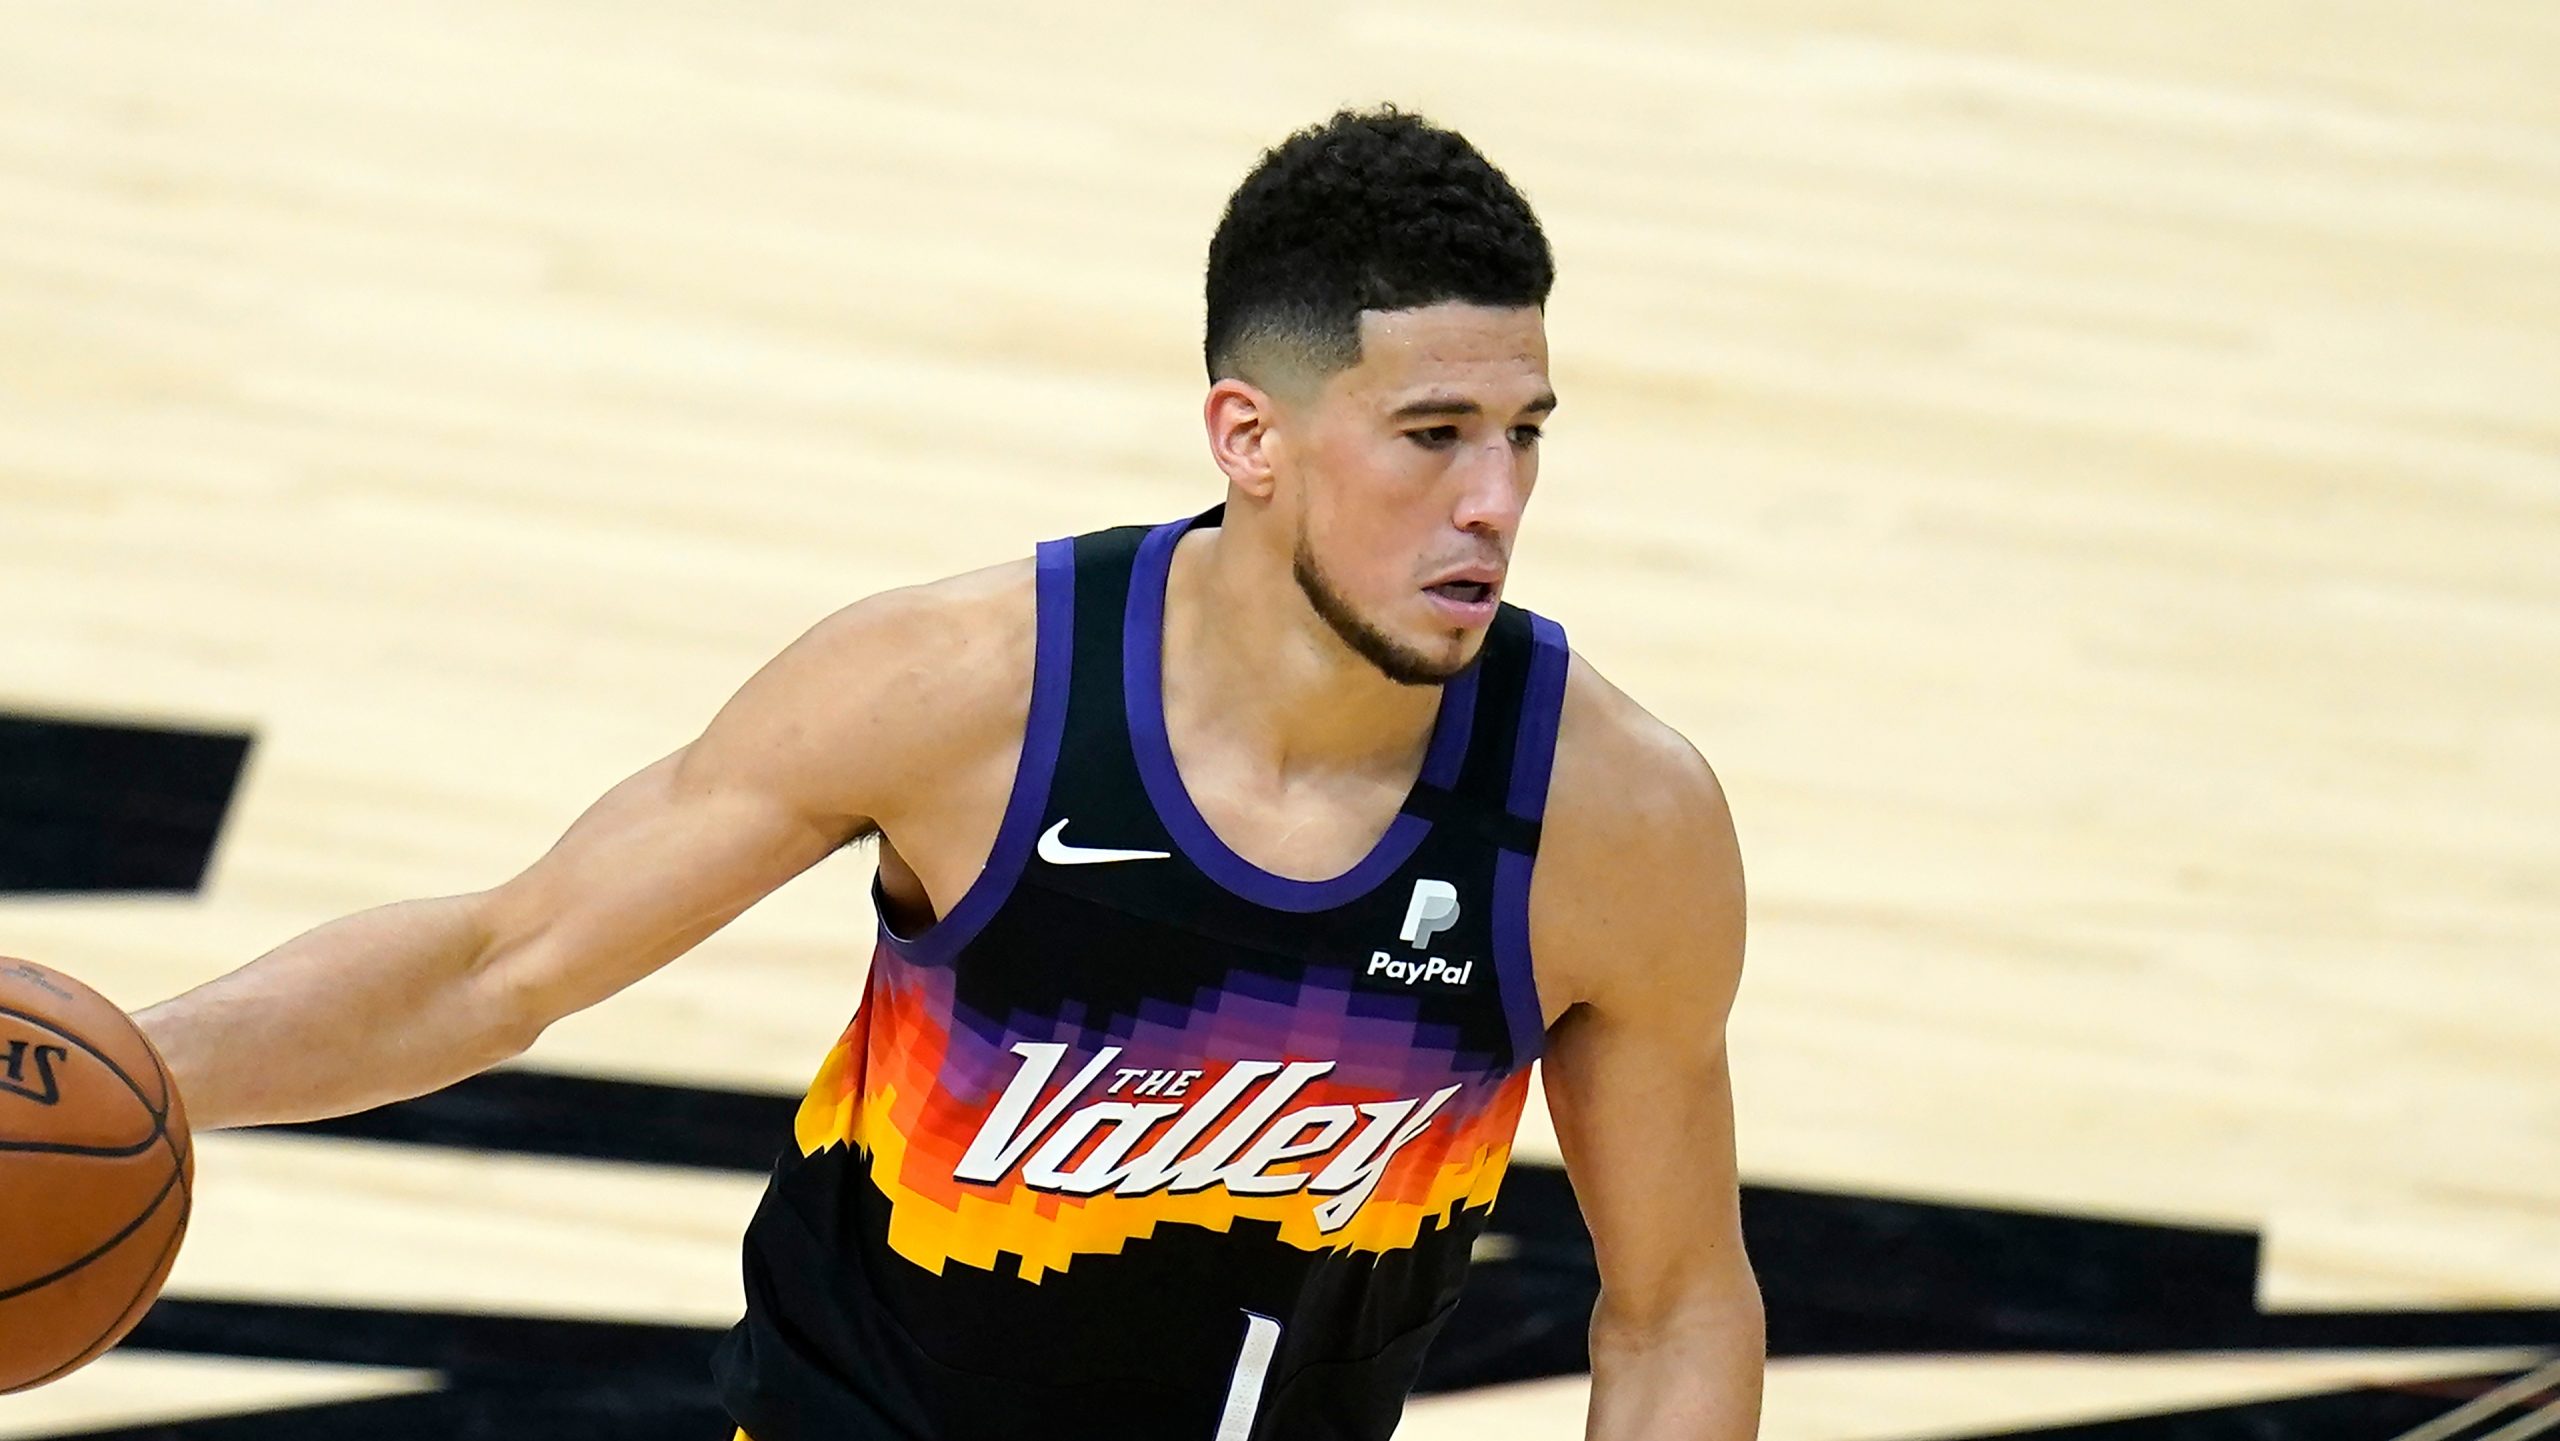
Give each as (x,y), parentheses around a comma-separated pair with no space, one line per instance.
(1231,873)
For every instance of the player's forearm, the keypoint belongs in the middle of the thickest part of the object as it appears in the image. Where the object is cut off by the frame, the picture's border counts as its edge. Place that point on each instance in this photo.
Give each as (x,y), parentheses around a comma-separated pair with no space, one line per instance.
(1690,1376)
(376,1007)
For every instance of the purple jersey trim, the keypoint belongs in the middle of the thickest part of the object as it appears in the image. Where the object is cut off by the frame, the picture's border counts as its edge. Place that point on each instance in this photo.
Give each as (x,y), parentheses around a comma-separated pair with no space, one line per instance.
(1142,686)
(1051,666)
(1532,763)
(1511,967)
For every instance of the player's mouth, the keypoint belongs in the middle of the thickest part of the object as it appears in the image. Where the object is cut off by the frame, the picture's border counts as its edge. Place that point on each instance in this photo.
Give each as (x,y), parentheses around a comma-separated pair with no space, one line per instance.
(1467,597)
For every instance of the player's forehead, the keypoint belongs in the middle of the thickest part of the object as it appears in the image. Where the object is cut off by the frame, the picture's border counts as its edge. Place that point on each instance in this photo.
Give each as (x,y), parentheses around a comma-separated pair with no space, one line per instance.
(1495,356)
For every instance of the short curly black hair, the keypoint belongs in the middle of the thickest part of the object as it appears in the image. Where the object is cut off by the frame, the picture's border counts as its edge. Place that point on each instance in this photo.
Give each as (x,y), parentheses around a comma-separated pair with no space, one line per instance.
(1371,210)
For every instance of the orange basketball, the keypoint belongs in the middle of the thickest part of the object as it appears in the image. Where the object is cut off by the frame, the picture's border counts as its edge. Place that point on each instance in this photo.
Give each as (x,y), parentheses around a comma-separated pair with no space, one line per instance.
(95,1174)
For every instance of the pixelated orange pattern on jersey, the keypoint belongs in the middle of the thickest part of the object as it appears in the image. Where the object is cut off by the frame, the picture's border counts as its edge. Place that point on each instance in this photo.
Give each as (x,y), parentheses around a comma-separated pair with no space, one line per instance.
(877,1092)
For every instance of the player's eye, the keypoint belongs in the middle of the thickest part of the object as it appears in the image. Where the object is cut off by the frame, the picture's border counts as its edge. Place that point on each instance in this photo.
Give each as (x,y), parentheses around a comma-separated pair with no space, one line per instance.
(1526,436)
(1437,437)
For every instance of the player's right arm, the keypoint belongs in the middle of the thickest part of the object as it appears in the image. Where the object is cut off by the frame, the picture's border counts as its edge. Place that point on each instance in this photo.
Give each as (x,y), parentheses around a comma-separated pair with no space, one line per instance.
(823,745)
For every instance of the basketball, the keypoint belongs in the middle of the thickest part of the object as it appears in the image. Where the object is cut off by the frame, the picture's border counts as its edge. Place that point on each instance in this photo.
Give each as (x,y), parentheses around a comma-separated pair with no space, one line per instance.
(95,1174)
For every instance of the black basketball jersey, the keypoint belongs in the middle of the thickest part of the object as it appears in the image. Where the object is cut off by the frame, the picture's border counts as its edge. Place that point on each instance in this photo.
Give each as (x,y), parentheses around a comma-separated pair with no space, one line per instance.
(1141,1140)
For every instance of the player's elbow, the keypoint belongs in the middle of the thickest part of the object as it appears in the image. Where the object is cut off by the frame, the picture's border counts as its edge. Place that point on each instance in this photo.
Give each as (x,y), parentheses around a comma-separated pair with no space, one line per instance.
(506,999)
(1716,1306)
(510,1022)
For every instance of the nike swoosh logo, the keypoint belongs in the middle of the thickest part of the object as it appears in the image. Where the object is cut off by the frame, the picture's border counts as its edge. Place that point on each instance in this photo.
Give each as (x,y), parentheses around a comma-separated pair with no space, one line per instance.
(1055,850)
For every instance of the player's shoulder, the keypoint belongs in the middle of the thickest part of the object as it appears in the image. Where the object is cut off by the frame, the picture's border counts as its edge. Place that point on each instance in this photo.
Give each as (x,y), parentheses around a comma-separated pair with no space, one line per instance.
(1638,841)
(970,636)
(859,712)
(1619,770)
(940,653)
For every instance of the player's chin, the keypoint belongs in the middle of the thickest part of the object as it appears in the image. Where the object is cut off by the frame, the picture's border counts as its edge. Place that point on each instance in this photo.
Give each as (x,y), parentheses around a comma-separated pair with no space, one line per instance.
(1444,651)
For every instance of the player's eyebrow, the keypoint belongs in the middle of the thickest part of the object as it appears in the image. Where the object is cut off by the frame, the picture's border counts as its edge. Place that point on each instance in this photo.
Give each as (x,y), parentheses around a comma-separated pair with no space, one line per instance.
(1459,406)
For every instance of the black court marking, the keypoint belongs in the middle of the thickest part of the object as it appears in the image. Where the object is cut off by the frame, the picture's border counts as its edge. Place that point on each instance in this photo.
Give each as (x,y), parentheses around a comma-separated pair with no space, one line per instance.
(507,1376)
(583,1117)
(91,807)
(1843,1275)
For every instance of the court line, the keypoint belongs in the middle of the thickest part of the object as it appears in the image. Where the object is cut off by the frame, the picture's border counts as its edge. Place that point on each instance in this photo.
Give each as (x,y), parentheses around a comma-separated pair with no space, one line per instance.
(2534,1425)
(2482,1407)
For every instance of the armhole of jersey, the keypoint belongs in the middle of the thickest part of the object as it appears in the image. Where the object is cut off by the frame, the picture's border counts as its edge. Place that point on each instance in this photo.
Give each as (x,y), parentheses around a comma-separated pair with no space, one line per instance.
(1532,763)
(1052,665)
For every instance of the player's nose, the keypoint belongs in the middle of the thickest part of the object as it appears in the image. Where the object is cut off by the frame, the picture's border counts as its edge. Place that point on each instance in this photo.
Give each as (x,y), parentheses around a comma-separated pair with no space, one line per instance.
(1493,490)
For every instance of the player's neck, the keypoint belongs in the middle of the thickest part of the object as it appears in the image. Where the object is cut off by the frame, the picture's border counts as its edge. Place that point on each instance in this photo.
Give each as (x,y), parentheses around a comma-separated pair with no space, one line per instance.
(1245,652)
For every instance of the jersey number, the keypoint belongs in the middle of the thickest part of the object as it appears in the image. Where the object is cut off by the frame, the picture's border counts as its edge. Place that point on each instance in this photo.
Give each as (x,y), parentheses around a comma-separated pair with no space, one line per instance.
(1244,1389)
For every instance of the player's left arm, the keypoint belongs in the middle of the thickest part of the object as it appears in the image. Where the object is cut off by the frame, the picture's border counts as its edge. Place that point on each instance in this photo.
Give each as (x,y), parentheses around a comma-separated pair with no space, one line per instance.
(1637,924)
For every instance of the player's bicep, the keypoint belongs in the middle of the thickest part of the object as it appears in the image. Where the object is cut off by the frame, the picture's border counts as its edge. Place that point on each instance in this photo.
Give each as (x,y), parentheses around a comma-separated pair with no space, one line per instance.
(824,744)
(1640,889)
(652,869)
(796,764)
(1644,1116)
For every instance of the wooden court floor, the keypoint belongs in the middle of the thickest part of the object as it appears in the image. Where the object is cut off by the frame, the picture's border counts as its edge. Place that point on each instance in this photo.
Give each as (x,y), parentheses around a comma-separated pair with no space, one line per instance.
(2087,476)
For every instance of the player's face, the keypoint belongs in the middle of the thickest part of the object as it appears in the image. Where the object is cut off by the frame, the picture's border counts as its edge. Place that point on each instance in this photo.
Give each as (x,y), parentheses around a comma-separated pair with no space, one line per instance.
(1412,469)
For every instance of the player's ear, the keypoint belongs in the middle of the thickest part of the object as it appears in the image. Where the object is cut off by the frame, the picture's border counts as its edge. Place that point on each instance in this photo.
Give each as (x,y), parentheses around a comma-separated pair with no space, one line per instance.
(1238,415)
